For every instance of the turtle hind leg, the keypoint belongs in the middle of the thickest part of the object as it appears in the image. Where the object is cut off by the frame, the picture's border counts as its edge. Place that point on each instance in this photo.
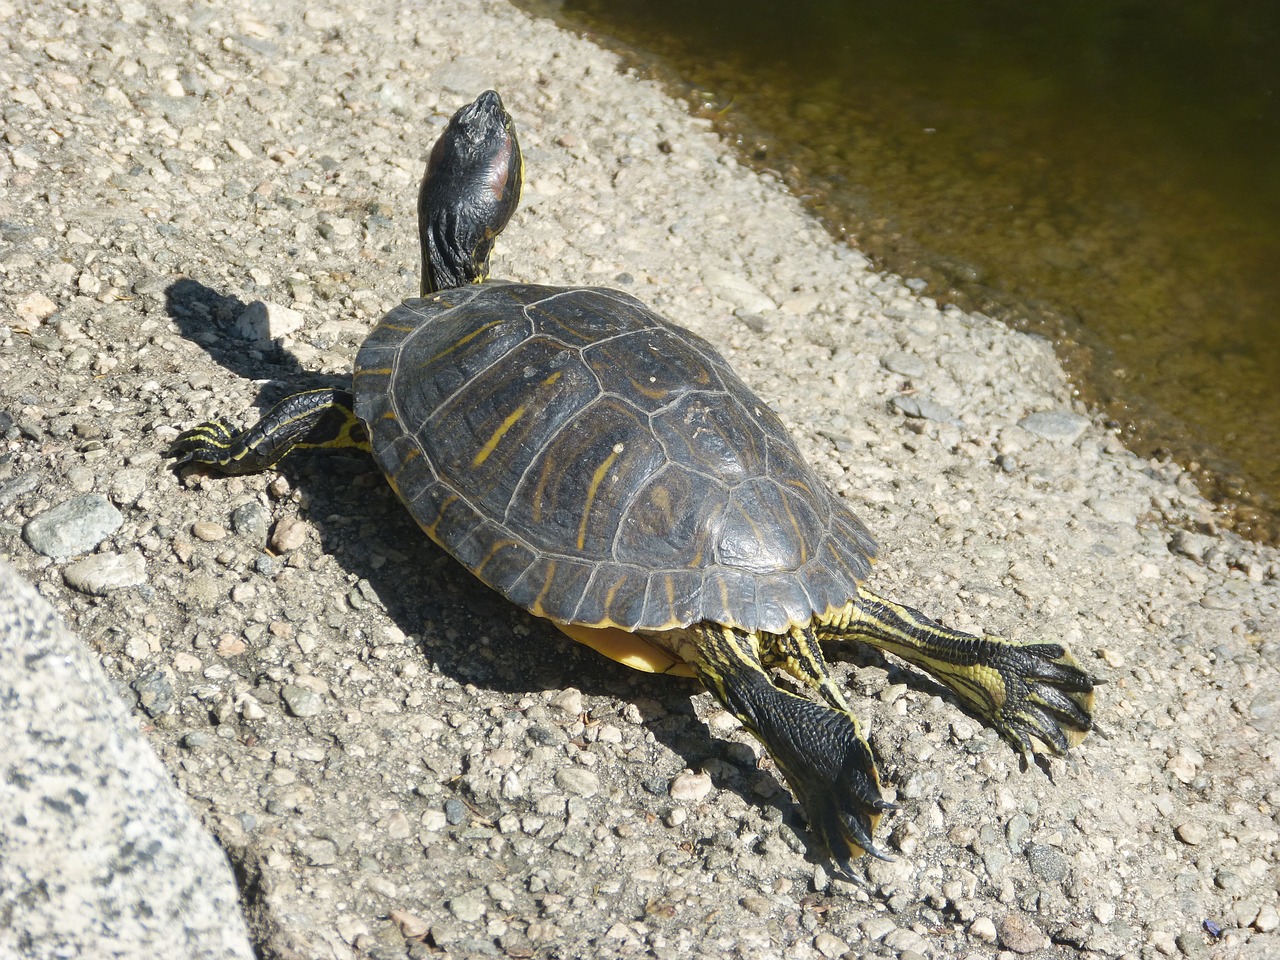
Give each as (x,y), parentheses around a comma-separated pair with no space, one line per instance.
(307,420)
(819,748)
(1031,693)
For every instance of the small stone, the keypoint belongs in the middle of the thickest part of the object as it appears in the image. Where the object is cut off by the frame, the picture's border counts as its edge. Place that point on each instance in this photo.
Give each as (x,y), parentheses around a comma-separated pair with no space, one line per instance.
(1047,863)
(469,908)
(1192,946)
(397,826)
(1194,546)
(229,645)
(208,532)
(738,291)
(290,533)
(155,692)
(922,408)
(455,811)
(877,928)
(412,926)
(350,927)
(187,663)
(1019,934)
(568,701)
(1060,426)
(1112,658)
(829,945)
(1183,765)
(301,701)
(801,305)
(1268,919)
(760,906)
(34,308)
(578,780)
(1191,833)
(251,709)
(104,573)
(983,929)
(690,787)
(74,527)
(319,853)
(905,364)
(906,943)
(250,520)
(1113,510)
(128,485)
(267,321)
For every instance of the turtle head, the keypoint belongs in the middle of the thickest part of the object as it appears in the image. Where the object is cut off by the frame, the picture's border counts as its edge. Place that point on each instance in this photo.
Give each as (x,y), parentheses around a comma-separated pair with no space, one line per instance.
(469,192)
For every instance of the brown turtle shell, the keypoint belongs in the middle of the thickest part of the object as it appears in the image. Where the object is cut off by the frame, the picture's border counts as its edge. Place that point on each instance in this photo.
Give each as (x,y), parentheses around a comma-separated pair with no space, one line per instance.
(599,465)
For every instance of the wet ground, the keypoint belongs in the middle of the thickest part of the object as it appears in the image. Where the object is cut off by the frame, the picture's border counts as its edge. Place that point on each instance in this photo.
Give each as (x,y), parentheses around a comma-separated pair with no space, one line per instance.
(1102,174)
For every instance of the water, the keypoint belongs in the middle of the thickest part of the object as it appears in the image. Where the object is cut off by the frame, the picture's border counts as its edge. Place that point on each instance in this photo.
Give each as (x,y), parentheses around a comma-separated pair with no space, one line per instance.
(1104,172)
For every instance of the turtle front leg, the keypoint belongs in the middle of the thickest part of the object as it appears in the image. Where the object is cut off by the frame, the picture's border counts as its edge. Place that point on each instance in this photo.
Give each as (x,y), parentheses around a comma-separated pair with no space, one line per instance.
(819,749)
(1030,692)
(313,418)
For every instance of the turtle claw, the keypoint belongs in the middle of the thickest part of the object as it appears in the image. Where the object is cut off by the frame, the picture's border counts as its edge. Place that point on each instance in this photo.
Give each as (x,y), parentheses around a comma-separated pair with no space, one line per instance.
(1047,699)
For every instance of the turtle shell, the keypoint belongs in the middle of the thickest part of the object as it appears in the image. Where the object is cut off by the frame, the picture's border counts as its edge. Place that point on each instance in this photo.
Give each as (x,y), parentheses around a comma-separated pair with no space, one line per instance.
(599,465)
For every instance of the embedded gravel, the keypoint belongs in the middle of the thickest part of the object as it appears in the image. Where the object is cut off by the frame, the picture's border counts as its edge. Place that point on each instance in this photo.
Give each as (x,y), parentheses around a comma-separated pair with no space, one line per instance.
(402,765)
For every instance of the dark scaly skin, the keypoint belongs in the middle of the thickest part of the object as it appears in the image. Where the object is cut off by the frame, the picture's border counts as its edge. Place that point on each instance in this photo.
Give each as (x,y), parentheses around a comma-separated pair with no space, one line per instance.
(1034,694)
(310,420)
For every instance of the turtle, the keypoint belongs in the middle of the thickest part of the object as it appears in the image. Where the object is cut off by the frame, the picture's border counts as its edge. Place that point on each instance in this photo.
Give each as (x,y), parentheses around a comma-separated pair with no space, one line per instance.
(605,469)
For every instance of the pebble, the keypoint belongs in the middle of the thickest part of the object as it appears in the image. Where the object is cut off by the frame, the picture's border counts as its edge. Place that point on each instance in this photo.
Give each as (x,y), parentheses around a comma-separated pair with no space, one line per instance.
(1191,833)
(690,787)
(155,692)
(578,781)
(412,926)
(34,308)
(1061,426)
(128,485)
(568,702)
(983,929)
(1018,933)
(301,701)
(470,907)
(267,321)
(319,853)
(905,364)
(73,527)
(104,573)
(831,946)
(250,520)
(738,291)
(1047,863)
(207,531)
(1194,546)
(1267,920)
(922,408)
(290,534)
(455,811)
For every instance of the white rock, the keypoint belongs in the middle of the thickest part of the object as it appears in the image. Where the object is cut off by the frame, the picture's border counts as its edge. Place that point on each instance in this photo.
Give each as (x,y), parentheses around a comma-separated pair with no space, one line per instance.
(267,321)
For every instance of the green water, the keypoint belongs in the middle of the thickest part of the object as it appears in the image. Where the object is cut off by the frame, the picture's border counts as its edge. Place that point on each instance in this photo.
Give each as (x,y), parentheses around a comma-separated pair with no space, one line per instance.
(1103,172)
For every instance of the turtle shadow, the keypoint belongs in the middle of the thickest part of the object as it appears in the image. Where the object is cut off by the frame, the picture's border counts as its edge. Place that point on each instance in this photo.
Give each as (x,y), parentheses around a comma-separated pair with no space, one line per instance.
(208,318)
(474,636)
(466,631)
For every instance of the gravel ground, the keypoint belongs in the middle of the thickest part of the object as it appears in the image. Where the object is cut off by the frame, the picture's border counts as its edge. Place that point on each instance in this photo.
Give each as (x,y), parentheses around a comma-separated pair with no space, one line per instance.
(401,765)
